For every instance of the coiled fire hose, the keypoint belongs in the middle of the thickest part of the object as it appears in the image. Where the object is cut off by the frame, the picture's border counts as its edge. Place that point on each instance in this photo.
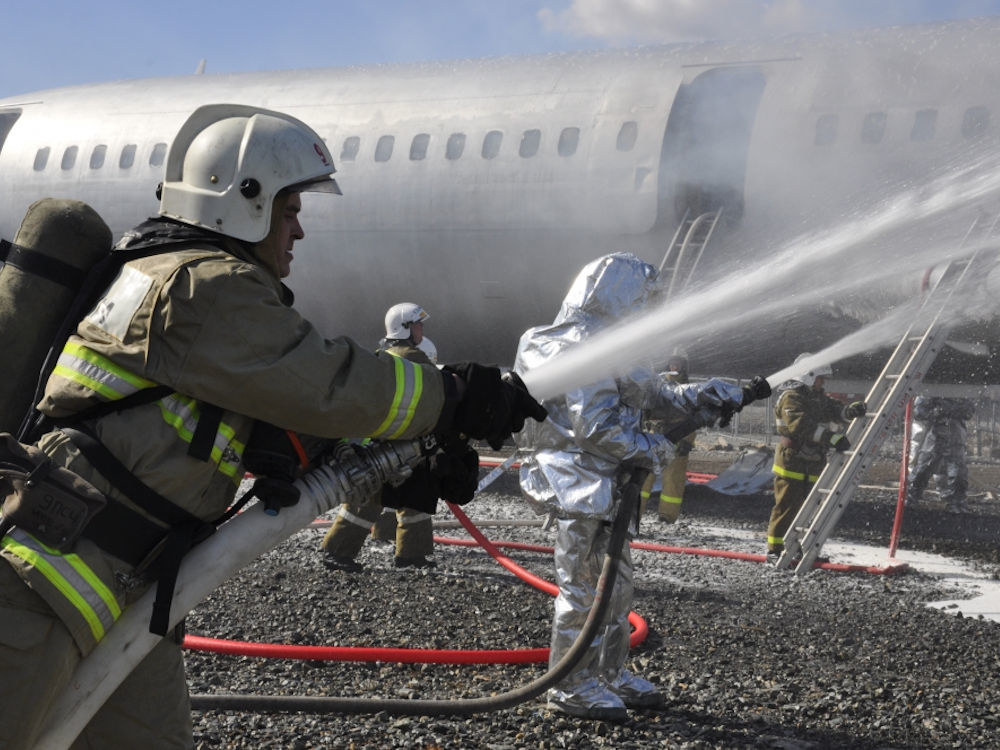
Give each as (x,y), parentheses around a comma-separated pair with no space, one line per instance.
(627,511)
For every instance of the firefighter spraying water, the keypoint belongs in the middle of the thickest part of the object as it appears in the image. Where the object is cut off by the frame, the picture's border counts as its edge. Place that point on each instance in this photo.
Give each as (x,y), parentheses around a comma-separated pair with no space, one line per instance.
(153,401)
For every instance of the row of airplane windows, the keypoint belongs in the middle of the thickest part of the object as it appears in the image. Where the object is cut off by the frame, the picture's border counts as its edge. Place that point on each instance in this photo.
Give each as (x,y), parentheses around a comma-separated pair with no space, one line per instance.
(975,121)
(569,139)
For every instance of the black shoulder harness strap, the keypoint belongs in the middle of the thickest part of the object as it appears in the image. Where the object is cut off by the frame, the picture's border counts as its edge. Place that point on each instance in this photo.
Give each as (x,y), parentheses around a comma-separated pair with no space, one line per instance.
(39,264)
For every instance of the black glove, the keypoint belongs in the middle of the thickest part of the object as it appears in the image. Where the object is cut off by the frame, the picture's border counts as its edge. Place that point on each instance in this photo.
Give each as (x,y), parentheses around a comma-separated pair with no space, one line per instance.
(275,494)
(855,409)
(457,473)
(757,389)
(840,442)
(492,407)
(452,474)
(418,492)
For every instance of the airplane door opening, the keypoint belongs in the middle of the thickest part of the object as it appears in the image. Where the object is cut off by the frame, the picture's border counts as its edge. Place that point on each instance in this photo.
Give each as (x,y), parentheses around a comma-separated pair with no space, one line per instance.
(7,120)
(704,156)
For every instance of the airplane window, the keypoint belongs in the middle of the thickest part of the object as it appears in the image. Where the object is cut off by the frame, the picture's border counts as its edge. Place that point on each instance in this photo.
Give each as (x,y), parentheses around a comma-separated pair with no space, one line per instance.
(455,146)
(826,130)
(627,135)
(69,157)
(97,156)
(418,148)
(41,158)
(383,149)
(568,140)
(529,143)
(127,158)
(349,151)
(157,155)
(924,125)
(873,127)
(491,144)
(975,121)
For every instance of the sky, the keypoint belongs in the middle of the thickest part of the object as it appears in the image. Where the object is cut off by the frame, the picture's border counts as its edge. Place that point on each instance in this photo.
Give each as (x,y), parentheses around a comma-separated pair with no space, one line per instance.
(50,44)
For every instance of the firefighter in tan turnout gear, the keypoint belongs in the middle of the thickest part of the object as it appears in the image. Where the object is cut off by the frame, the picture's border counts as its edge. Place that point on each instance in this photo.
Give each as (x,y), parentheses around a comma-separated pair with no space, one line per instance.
(160,387)
(809,423)
(674,476)
(412,529)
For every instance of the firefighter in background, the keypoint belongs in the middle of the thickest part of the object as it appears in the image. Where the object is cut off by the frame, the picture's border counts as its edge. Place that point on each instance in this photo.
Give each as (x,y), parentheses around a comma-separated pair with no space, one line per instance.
(576,469)
(202,332)
(412,529)
(937,447)
(809,423)
(674,476)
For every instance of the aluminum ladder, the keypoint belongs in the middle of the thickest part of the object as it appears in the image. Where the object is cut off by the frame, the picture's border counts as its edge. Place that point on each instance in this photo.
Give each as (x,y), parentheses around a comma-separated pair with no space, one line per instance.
(897,383)
(686,248)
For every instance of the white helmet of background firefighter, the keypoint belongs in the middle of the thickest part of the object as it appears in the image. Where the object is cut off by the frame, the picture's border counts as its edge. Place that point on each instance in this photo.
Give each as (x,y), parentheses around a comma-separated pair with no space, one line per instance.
(399,318)
(229,161)
(808,377)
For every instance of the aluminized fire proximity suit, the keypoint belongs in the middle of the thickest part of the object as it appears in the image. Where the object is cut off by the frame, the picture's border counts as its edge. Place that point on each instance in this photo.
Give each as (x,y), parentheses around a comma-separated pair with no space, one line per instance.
(937,447)
(574,471)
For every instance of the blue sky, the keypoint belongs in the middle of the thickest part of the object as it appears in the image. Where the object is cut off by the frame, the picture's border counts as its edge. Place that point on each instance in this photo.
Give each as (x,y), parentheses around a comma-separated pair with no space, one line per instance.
(49,44)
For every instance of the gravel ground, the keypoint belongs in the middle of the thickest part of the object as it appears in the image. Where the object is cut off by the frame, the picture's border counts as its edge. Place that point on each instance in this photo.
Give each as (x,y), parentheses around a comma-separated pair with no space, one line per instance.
(748,656)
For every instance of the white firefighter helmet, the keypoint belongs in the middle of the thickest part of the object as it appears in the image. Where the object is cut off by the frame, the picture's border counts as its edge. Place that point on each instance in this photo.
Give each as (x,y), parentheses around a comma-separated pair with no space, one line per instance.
(808,377)
(428,348)
(399,318)
(229,161)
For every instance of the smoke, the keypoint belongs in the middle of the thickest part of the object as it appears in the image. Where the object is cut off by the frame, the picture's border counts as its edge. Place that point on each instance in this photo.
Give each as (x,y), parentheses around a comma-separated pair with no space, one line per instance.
(663,21)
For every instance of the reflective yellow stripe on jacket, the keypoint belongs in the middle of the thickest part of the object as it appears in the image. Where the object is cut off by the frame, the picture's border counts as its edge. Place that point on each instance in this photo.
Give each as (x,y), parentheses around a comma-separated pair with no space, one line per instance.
(783,472)
(72,577)
(182,413)
(409,389)
(110,382)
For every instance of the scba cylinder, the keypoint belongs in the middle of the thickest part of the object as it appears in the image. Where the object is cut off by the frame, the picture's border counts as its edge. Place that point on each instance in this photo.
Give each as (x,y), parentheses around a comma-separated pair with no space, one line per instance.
(57,243)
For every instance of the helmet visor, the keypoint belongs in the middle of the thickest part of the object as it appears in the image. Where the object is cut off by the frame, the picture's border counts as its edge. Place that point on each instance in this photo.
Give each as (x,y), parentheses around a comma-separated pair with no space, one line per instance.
(324,184)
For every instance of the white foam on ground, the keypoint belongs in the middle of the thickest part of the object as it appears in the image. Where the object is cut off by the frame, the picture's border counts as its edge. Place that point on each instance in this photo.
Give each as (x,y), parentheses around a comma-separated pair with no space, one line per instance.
(983,590)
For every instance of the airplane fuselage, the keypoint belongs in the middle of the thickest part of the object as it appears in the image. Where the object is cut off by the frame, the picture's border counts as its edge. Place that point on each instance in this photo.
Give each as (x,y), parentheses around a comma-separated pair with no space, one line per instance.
(478,188)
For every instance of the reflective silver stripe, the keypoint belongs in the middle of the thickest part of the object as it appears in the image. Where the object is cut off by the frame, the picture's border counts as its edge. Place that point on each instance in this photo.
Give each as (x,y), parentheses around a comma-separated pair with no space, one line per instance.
(349,517)
(97,373)
(818,435)
(72,577)
(407,519)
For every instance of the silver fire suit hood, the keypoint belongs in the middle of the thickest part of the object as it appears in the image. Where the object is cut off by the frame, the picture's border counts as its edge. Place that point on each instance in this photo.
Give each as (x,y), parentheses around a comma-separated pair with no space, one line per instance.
(592,431)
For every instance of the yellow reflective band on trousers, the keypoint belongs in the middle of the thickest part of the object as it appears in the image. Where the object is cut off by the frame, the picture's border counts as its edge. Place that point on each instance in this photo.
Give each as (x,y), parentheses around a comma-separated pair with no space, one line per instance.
(671,500)
(182,413)
(99,374)
(776,541)
(71,577)
(409,389)
(781,471)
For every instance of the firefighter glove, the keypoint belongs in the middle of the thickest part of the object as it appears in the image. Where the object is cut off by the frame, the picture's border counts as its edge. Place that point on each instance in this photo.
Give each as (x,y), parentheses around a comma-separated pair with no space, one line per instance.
(457,474)
(275,494)
(855,409)
(756,389)
(493,406)
(419,492)
(840,442)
